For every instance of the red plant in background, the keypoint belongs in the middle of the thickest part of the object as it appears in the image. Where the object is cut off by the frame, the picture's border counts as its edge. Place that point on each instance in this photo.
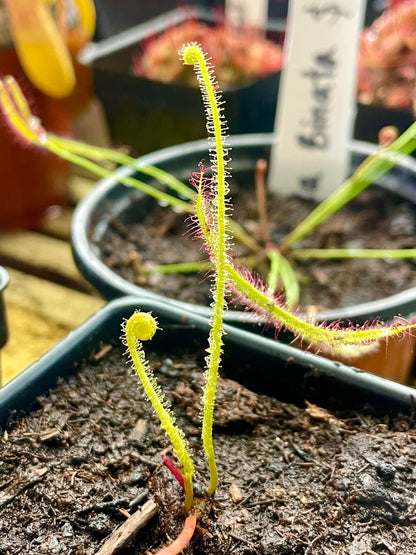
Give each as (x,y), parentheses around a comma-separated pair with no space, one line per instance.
(387,62)
(239,56)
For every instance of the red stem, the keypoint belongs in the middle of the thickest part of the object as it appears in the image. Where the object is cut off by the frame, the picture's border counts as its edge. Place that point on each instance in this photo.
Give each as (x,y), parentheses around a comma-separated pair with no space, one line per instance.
(182,540)
(171,466)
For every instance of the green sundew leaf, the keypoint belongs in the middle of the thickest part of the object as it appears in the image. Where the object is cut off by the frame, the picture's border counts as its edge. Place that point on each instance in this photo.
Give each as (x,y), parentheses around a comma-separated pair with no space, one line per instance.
(280,267)
(367,173)
(87,153)
(302,254)
(108,154)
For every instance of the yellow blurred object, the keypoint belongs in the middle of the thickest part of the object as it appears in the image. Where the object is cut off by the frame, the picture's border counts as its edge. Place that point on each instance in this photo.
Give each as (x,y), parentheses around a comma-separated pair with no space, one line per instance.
(42,44)
(86,11)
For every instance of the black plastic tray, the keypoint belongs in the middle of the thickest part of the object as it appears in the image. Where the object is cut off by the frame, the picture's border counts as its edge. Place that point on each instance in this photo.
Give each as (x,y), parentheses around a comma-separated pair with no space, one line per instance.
(261,364)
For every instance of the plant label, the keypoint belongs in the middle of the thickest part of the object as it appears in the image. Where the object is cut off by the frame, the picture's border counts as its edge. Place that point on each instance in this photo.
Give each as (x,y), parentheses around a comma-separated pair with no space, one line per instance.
(316,107)
(246,13)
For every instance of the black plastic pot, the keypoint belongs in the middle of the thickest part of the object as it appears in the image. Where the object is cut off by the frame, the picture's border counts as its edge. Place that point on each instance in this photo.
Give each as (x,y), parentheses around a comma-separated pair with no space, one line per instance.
(4,280)
(111,200)
(111,20)
(370,119)
(149,115)
(261,364)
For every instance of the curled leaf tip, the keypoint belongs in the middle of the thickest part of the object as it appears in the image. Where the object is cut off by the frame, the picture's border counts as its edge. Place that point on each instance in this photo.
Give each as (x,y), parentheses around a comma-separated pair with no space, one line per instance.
(143,326)
(17,113)
(190,53)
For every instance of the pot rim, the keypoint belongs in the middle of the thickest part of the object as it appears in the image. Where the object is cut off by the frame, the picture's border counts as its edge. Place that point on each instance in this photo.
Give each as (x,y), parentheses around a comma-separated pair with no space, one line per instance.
(4,279)
(104,279)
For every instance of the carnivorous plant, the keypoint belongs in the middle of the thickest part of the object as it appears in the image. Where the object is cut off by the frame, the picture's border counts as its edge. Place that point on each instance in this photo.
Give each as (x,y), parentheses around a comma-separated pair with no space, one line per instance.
(210,218)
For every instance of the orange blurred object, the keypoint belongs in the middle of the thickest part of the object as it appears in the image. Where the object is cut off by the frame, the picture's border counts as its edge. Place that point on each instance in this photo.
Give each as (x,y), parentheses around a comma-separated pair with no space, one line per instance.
(39,42)
(387,61)
(31,180)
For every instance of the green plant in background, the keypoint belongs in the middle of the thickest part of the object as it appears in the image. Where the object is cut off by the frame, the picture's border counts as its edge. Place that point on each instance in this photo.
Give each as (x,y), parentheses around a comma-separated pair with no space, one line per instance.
(210,212)
(280,257)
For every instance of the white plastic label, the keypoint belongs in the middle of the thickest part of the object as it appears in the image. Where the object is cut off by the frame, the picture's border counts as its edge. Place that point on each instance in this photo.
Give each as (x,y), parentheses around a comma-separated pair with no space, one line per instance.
(247,13)
(316,107)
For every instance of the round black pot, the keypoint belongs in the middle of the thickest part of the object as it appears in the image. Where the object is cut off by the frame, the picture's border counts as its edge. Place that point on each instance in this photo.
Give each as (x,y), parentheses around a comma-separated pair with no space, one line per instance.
(111,200)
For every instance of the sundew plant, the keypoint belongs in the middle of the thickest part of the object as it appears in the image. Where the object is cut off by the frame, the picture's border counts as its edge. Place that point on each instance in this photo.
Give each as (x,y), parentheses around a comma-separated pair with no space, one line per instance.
(210,221)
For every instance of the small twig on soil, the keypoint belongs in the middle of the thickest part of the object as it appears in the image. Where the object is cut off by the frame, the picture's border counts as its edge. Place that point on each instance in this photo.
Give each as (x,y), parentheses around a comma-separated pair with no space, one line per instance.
(147,461)
(19,484)
(263,502)
(285,455)
(300,453)
(106,505)
(101,353)
(124,513)
(238,538)
(308,549)
(297,538)
(124,533)
(50,433)
(138,500)
(363,468)
(260,185)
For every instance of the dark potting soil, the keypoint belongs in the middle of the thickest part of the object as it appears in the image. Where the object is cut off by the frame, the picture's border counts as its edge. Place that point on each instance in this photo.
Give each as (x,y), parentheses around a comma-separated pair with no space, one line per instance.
(376,219)
(292,480)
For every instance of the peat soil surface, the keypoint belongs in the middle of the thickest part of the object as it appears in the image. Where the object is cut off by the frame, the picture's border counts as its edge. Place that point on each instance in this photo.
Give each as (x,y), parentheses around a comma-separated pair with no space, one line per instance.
(293,480)
(376,219)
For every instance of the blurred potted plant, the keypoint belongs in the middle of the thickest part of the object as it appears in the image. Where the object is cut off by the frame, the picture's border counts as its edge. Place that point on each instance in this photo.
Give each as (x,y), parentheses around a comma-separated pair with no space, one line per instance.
(40,50)
(149,111)
(387,71)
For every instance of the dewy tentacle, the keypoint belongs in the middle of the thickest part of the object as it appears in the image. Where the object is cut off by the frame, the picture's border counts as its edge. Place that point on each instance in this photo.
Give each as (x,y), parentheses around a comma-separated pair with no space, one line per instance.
(141,327)
(193,55)
(349,341)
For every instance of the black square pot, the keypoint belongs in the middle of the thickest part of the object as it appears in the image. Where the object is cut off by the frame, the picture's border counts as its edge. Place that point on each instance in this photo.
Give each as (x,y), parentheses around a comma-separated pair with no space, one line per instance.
(261,364)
